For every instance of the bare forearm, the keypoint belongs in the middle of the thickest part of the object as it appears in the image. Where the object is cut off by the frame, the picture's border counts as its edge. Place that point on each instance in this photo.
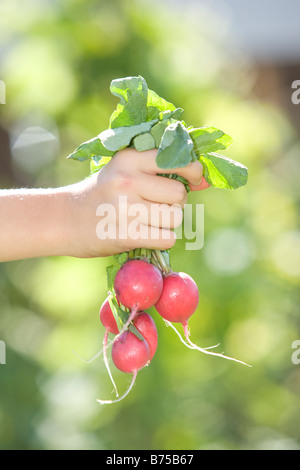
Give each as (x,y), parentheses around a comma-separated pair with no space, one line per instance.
(32,223)
(64,221)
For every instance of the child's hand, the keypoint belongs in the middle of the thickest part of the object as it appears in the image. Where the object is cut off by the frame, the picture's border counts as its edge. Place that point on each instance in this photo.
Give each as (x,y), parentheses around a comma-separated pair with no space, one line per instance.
(114,210)
(109,212)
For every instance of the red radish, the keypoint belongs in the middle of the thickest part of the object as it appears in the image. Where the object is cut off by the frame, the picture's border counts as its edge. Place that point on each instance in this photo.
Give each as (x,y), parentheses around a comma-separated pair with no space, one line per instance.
(146,326)
(129,354)
(178,301)
(138,284)
(107,318)
(179,298)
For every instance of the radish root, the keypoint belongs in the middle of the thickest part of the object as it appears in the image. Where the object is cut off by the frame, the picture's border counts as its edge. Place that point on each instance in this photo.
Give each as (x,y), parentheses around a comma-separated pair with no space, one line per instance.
(106,362)
(110,343)
(99,353)
(108,402)
(188,345)
(178,334)
(194,346)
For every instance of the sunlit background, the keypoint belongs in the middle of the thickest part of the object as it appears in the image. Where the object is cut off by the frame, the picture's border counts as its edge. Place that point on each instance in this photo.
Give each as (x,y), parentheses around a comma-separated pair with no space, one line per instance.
(230,64)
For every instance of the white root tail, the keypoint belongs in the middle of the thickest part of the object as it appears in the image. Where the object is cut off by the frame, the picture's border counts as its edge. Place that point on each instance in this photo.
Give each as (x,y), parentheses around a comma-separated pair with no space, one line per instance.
(108,402)
(106,362)
(110,343)
(205,351)
(99,353)
(188,345)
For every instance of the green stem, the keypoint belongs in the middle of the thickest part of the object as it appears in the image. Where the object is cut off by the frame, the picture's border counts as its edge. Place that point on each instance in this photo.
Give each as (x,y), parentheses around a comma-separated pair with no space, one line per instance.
(154,260)
(178,178)
(131,254)
(164,266)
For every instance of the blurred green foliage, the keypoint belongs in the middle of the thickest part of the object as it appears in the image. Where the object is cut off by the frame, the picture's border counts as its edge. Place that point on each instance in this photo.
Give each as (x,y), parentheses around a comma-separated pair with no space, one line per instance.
(57,60)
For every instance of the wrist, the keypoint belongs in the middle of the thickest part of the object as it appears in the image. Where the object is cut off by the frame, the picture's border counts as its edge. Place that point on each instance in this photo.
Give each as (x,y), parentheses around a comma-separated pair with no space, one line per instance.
(77,213)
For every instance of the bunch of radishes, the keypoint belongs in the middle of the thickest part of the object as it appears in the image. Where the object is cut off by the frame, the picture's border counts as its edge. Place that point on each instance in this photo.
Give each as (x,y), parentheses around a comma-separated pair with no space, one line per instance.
(139,284)
(143,278)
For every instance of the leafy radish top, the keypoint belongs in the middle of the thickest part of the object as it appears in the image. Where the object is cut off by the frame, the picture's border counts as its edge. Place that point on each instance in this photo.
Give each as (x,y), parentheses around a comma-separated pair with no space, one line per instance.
(145,121)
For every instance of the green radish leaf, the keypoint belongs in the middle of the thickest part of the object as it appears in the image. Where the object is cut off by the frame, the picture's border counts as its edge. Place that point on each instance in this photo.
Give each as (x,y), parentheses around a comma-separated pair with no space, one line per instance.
(144,142)
(89,149)
(177,114)
(133,113)
(156,104)
(125,88)
(97,162)
(156,101)
(136,332)
(132,109)
(119,315)
(158,130)
(120,137)
(111,272)
(172,116)
(119,117)
(121,258)
(146,120)
(122,314)
(222,172)
(176,147)
(209,139)
(152,113)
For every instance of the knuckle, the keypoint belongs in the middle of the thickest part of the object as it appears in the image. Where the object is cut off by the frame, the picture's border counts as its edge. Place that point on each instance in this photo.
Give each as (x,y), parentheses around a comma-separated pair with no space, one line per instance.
(181,194)
(122,245)
(125,244)
(124,154)
(123,181)
(196,172)
(167,216)
(170,242)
